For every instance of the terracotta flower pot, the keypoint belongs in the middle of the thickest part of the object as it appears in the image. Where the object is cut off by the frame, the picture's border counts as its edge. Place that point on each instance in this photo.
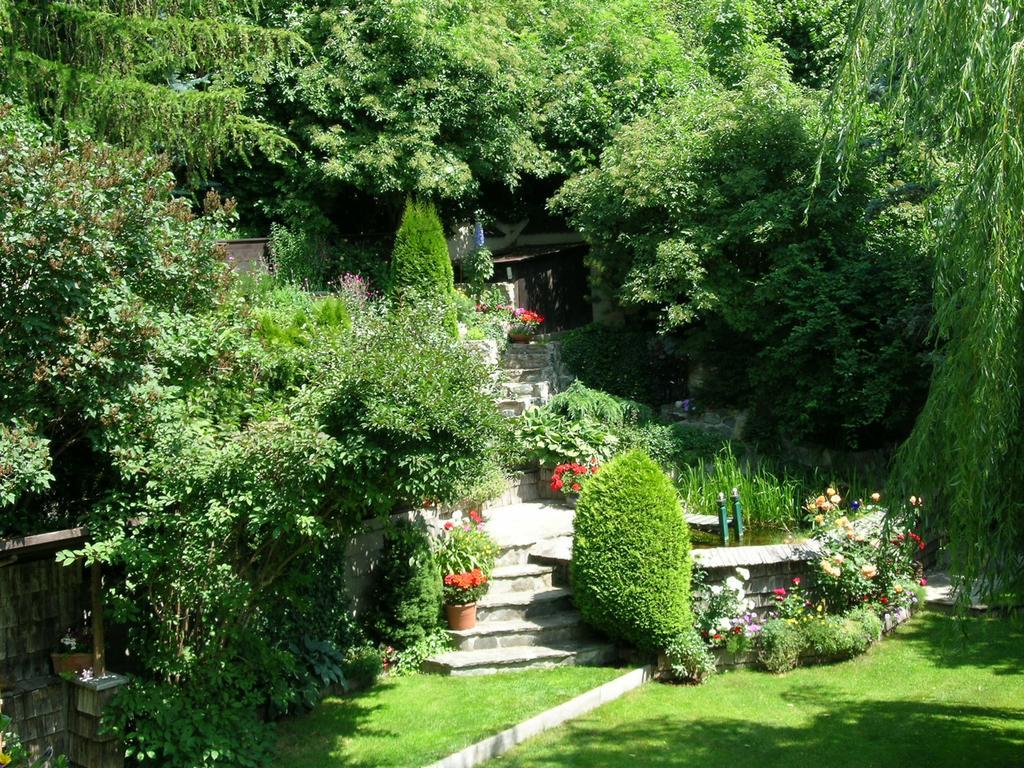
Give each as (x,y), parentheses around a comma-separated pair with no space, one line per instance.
(70,662)
(520,338)
(461,616)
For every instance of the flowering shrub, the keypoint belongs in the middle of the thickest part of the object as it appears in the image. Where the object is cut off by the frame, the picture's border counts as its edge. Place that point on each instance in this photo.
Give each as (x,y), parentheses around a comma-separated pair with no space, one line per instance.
(570,478)
(723,615)
(863,564)
(464,588)
(688,657)
(525,321)
(464,546)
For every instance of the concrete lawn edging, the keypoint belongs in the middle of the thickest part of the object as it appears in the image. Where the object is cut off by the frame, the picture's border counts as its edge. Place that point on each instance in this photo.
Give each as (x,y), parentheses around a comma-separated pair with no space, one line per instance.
(500,743)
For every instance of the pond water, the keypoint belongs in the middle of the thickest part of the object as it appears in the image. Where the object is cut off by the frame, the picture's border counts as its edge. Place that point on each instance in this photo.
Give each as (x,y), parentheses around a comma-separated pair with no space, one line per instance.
(702,539)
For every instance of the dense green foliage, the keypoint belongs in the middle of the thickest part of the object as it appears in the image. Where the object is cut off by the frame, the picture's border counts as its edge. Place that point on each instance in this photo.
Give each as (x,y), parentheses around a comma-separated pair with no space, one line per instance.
(817,324)
(220,439)
(952,72)
(581,423)
(631,364)
(631,554)
(176,76)
(407,592)
(783,642)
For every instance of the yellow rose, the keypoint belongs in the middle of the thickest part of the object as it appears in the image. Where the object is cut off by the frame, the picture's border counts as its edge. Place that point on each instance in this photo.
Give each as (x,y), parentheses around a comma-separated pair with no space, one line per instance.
(868,571)
(913,501)
(839,558)
(821,501)
(843,521)
(898,588)
(876,497)
(819,519)
(5,759)
(834,498)
(830,492)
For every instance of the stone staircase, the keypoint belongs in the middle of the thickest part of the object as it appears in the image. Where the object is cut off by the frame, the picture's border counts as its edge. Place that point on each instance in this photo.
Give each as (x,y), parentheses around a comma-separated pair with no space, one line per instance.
(527,619)
(528,375)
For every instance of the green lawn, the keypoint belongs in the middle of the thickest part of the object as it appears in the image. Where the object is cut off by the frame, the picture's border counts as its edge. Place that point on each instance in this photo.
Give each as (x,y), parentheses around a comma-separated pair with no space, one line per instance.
(413,721)
(920,698)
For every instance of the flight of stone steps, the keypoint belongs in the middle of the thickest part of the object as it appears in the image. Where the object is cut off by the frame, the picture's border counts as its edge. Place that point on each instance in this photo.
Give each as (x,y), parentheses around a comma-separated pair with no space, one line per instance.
(528,375)
(527,619)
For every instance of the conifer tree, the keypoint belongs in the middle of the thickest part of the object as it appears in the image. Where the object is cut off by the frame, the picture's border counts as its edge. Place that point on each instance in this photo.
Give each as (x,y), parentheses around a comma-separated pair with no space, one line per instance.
(161,75)
(420,265)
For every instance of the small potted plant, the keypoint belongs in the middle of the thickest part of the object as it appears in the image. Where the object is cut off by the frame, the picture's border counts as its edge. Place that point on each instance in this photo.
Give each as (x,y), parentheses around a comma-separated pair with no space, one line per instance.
(570,478)
(75,654)
(523,325)
(466,555)
(461,592)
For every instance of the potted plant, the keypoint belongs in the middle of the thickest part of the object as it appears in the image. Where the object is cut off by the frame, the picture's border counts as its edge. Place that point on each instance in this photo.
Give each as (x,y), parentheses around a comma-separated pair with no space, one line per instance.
(570,478)
(523,325)
(461,591)
(466,554)
(76,651)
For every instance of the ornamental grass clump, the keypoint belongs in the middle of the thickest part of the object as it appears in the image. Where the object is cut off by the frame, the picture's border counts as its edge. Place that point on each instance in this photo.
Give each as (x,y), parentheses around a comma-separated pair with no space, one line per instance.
(631,554)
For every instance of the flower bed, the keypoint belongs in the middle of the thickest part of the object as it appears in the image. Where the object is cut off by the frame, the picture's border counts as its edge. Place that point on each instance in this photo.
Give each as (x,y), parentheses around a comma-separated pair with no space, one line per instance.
(860,580)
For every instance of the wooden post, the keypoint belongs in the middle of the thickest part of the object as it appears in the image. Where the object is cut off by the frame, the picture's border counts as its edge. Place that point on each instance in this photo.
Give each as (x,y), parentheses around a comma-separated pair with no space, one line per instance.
(98,661)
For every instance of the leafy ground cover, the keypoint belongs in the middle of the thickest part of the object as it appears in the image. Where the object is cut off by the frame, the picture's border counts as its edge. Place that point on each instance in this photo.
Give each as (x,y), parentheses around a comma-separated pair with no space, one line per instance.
(930,695)
(412,721)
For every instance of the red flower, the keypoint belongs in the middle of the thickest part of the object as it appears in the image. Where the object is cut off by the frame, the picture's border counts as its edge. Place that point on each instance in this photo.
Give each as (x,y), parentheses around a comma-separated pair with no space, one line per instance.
(884,601)
(924,582)
(448,526)
(718,637)
(780,591)
(475,516)
(576,487)
(796,580)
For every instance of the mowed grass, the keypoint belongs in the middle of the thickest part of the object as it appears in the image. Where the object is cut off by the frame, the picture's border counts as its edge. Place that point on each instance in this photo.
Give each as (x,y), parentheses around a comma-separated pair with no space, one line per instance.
(413,721)
(937,694)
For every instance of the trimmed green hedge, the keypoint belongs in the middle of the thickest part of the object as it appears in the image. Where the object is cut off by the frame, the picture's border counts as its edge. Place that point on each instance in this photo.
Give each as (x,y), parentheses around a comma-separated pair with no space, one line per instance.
(631,554)
(407,589)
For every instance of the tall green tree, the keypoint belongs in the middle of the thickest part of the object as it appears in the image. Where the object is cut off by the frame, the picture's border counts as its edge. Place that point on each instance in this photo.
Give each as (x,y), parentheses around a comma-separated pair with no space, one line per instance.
(953,70)
(174,76)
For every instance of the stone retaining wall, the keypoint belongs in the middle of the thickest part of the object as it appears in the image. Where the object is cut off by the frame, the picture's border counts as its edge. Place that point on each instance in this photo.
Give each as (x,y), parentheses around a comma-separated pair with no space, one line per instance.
(771,566)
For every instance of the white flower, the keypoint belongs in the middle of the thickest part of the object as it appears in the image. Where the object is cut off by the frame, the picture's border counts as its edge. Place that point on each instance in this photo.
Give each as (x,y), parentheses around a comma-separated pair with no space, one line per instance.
(716,589)
(743,573)
(740,594)
(724,625)
(734,584)
(749,605)
(456,517)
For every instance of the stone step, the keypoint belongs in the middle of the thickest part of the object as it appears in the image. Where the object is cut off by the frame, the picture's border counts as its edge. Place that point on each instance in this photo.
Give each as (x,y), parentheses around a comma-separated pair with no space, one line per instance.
(514,406)
(525,357)
(526,577)
(556,629)
(520,606)
(526,375)
(513,555)
(490,661)
(540,390)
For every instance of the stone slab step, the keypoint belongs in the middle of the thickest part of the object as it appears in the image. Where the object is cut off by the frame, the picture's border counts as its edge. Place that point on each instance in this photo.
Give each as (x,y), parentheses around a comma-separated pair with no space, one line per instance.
(521,577)
(556,629)
(490,661)
(514,406)
(519,606)
(525,375)
(538,390)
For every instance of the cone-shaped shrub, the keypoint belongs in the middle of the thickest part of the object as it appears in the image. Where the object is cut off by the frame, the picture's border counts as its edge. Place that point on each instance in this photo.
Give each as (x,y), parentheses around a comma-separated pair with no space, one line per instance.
(631,554)
(420,266)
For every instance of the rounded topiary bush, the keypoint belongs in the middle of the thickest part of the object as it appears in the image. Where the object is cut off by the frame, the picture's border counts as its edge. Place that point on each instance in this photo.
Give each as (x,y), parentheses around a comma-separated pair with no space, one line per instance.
(631,554)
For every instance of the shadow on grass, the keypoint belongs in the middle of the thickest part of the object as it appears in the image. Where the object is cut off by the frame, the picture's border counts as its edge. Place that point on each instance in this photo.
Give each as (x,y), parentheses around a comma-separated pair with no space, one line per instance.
(862,734)
(317,738)
(996,644)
